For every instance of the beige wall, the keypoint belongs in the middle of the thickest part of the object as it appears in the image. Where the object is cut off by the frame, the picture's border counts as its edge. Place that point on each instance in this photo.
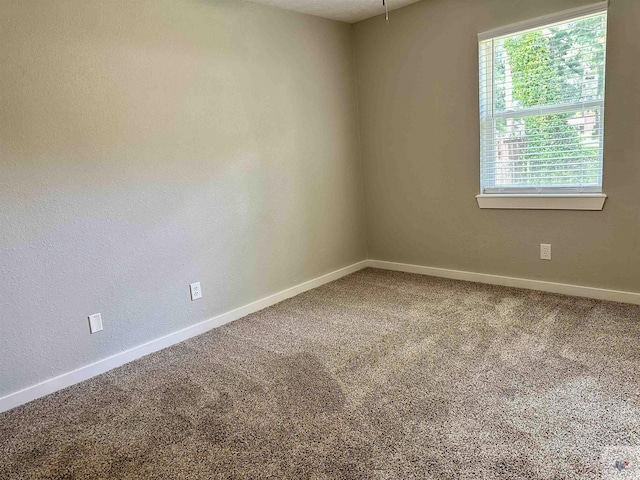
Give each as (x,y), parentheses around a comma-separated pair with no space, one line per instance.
(145,145)
(418,103)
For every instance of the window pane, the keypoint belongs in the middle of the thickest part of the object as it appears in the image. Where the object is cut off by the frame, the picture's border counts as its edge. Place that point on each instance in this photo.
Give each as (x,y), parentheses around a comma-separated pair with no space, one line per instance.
(553,66)
(548,150)
(541,107)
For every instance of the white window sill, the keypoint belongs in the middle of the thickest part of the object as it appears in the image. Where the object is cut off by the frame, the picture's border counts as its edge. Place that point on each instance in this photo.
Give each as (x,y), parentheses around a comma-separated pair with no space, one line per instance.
(555,201)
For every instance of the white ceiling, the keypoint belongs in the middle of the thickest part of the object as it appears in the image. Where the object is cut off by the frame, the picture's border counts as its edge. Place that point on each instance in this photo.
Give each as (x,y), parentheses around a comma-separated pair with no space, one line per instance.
(349,11)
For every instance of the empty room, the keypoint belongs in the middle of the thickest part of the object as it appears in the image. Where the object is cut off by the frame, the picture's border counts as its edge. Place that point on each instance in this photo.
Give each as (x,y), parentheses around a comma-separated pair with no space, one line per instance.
(319,239)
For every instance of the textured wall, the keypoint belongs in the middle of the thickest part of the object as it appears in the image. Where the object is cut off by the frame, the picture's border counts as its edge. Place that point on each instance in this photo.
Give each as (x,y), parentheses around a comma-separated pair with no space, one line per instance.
(418,103)
(145,145)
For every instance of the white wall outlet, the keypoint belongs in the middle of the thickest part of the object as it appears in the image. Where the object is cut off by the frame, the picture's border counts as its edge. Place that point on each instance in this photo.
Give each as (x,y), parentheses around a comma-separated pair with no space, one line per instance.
(95,323)
(545,251)
(196,291)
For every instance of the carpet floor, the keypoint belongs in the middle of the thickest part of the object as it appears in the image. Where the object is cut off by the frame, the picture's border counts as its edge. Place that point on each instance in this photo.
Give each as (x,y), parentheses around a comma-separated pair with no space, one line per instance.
(379,375)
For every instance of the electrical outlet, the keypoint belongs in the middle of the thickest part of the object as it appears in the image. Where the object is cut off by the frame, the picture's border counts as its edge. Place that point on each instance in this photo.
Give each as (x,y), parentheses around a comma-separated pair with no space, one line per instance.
(196,291)
(95,323)
(545,251)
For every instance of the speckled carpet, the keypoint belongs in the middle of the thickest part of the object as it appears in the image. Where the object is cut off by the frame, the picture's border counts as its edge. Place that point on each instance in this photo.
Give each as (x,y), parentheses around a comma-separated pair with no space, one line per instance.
(379,375)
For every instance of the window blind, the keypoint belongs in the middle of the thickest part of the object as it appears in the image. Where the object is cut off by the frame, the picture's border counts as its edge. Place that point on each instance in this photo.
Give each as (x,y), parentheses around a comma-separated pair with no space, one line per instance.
(542,106)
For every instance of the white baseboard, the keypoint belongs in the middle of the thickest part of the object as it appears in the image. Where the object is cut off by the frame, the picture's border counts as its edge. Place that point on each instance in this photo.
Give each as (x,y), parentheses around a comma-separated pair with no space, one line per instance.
(563,288)
(84,373)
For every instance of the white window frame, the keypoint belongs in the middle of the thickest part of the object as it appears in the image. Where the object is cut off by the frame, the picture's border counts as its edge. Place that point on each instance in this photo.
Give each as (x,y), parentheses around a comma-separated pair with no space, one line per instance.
(566,199)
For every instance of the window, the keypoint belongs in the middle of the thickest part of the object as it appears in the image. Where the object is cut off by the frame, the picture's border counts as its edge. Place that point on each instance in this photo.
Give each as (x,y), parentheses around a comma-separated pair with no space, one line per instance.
(542,112)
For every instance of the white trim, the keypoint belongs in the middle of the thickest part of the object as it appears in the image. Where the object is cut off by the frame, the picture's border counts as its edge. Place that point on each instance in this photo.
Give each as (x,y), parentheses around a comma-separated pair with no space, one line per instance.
(88,371)
(550,109)
(552,287)
(580,201)
(101,366)
(558,17)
